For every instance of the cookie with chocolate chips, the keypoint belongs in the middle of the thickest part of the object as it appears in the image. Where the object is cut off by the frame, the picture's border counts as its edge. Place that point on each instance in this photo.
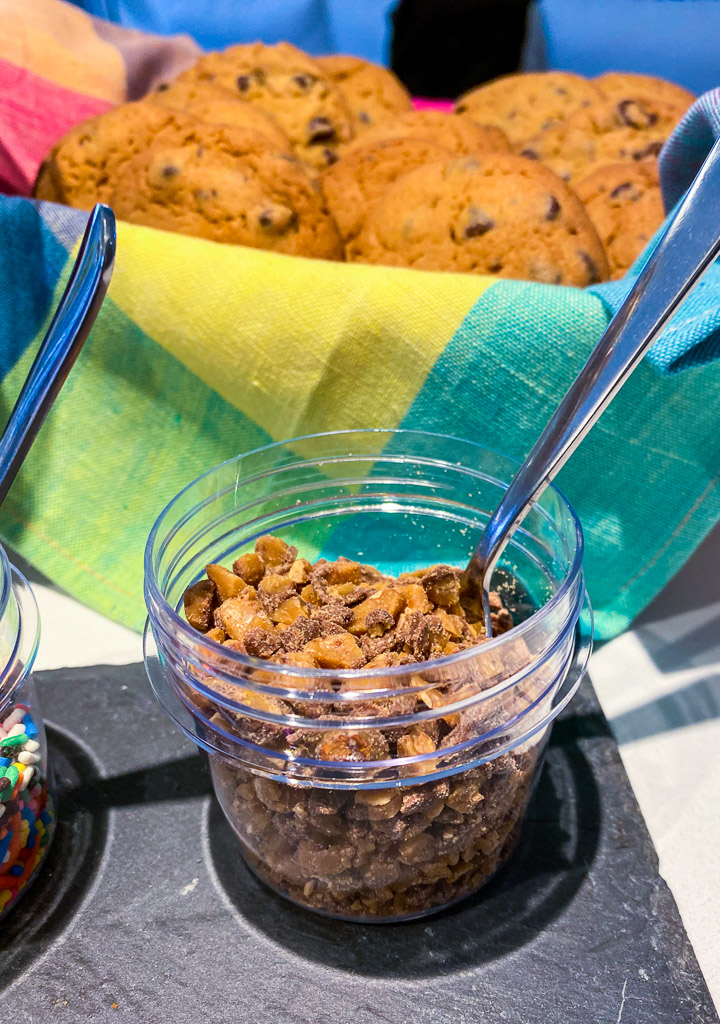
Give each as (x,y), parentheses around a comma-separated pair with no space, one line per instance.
(373,93)
(625,205)
(612,131)
(228,185)
(525,104)
(360,178)
(458,134)
(84,165)
(290,86)
(493,214)
(217,105)
(616,85)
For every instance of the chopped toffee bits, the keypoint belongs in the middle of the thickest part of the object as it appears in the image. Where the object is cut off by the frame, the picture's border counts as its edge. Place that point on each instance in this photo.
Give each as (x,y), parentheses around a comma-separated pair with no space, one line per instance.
(341,614)
(369,853)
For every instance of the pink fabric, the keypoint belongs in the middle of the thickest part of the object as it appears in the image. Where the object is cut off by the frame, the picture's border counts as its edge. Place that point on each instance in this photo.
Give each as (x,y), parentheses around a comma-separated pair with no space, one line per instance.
(422,104)
(34,112)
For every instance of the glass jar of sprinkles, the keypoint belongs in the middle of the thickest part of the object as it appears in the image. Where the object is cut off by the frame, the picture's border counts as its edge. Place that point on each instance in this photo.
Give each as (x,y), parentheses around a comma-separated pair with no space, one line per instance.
(26,806)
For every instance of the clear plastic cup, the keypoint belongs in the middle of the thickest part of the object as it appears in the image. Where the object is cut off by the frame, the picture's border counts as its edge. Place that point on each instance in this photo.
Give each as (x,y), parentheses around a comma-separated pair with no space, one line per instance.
(339,800)
(27,815)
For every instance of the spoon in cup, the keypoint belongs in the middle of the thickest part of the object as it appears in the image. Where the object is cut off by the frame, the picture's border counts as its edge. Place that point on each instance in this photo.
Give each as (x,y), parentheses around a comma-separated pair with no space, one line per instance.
(686,250)
(63,340)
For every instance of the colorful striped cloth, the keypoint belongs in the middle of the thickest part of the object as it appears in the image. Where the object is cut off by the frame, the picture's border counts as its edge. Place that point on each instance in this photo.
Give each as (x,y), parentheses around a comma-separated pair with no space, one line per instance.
(59,66)
(202,351)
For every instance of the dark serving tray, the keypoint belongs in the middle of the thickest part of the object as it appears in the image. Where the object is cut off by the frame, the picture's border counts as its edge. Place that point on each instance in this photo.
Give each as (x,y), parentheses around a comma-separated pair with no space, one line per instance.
(145,913)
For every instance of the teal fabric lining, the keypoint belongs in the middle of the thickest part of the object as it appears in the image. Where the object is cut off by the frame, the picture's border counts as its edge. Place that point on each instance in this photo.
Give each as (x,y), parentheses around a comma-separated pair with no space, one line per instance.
(644,483)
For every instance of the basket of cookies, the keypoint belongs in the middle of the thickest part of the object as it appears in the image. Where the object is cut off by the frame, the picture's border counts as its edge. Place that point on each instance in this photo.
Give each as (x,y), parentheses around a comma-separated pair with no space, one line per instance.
(544,177)
(304,247)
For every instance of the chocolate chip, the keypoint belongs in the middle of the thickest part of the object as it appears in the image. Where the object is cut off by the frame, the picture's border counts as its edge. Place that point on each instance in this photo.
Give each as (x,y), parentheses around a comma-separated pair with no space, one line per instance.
(545,273)
(627,190)
(652,149)
(593,273)
(364,117)
(304,81)
(163,87)
(479,223)
(461,108)
(634,115)
(494,268)
(170,170)
(331,157)
(552,211)
(561,90)
(321,129)
(530,154)
(278,219)
(202,194)
(243,82)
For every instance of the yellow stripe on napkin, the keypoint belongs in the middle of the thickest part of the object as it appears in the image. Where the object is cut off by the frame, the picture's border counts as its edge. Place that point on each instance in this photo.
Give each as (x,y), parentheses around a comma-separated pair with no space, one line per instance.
(298,345)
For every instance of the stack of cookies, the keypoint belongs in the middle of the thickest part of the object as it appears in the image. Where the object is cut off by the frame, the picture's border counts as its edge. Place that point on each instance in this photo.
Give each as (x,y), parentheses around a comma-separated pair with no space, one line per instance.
(546,177)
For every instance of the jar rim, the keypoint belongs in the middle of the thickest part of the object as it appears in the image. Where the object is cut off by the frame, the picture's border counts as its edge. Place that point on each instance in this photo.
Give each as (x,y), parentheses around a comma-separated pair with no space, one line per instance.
(5,580)
(154,597)
(353,774)
(25,647)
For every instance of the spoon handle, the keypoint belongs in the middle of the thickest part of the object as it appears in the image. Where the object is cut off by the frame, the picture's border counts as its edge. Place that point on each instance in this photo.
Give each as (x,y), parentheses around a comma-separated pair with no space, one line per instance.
(686,250)
(59,348)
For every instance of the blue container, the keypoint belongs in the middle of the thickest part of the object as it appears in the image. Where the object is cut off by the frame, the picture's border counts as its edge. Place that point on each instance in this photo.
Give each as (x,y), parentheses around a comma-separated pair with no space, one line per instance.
(674,39)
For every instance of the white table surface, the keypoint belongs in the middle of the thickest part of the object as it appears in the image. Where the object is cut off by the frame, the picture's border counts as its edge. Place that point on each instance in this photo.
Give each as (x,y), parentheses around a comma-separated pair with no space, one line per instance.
(659,685)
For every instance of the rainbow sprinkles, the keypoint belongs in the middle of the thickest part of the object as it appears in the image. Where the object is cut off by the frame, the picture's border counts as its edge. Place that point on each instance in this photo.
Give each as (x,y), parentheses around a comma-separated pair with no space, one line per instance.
(26,809)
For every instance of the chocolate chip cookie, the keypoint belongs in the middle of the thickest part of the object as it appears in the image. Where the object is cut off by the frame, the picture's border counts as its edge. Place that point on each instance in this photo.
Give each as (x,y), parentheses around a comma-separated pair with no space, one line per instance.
(357,181)
(82,168)
(607,132)
(458,134)
(228,185)
(290,86)
(493,214)
(218,105)
(373,93)
(616,85)
(625,205)
(525,104)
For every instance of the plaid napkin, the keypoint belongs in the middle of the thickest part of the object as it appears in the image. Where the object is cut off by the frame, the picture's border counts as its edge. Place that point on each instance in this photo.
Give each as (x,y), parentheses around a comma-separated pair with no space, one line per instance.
(186,368)
(202,351)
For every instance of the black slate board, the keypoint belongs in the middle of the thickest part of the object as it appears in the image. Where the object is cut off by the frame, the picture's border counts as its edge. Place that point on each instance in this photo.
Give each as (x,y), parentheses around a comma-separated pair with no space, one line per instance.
(143,902)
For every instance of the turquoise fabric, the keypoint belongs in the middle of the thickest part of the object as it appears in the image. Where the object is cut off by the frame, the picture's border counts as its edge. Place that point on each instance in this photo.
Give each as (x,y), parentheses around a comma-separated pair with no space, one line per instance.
(645,483)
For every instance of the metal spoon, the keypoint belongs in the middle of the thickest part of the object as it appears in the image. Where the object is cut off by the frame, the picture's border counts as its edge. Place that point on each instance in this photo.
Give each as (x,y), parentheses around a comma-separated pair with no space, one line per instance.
(687,249)
(65,337)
